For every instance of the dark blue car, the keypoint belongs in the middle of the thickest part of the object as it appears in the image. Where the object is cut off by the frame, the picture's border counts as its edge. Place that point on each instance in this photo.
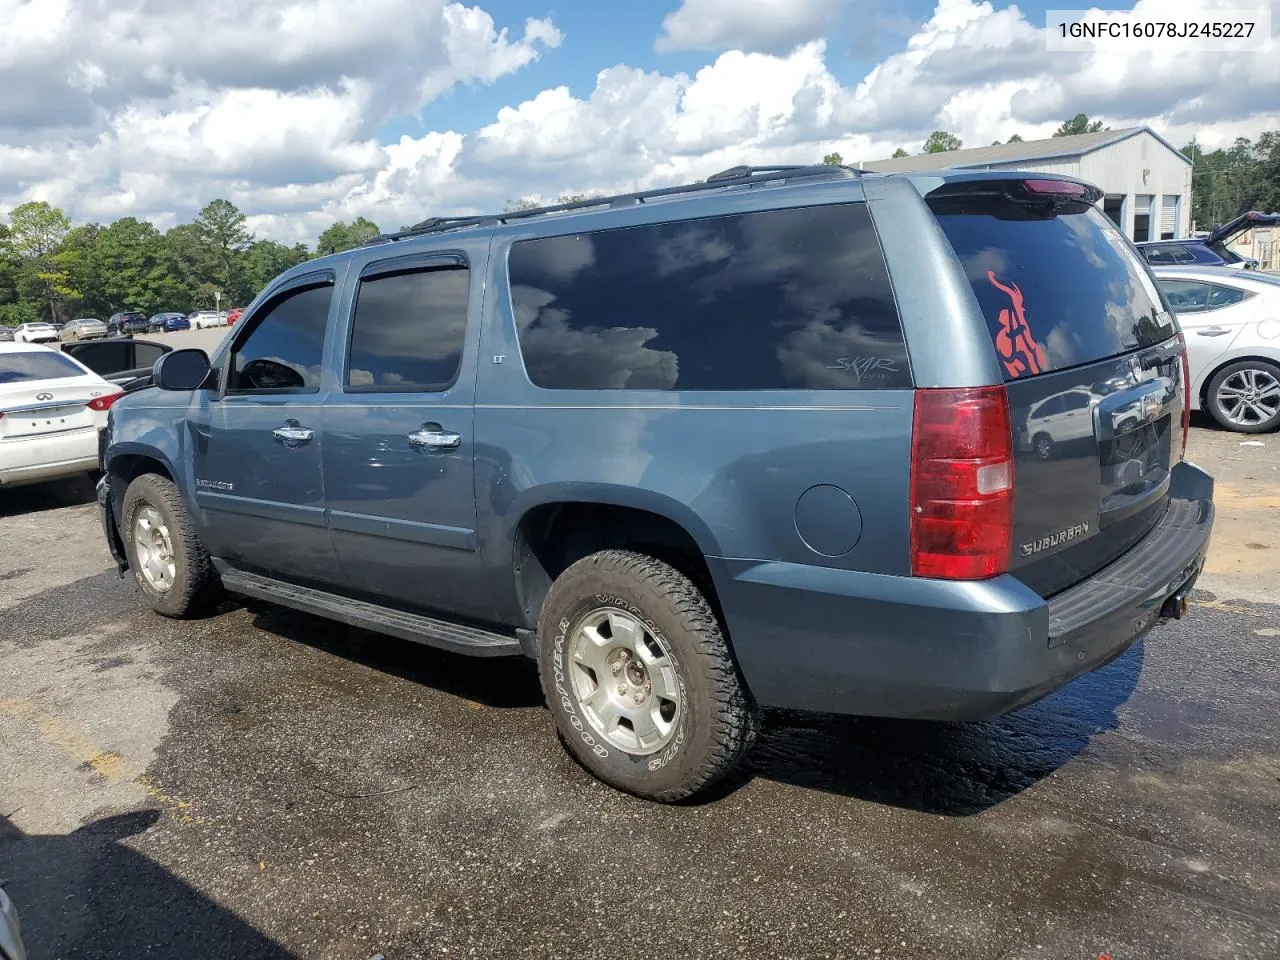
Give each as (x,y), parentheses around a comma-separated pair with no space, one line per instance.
(893,445)
(1211,249)
(170,322)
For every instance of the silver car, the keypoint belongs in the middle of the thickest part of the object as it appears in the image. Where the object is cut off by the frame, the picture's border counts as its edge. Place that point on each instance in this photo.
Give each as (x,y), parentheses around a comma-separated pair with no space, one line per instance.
(10,935)
(86,328)
(1231,319)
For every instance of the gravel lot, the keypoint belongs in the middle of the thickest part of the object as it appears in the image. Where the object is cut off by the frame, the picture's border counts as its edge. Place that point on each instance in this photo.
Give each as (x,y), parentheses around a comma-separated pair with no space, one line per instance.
(265,784)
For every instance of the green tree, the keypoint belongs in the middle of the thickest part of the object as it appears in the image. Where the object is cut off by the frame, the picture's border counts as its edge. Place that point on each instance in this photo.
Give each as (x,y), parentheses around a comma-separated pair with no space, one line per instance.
(900,153)
(36,233)
(346,236)
(940,141)
(524,203)
(1079,124)
(833,159)
(133,268)
(266,259)
(1014,139)
(220,227)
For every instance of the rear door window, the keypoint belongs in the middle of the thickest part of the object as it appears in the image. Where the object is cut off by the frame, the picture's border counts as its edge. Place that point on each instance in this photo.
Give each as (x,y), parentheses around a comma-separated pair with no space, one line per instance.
(793,299)
(1221,296)
(1057,282)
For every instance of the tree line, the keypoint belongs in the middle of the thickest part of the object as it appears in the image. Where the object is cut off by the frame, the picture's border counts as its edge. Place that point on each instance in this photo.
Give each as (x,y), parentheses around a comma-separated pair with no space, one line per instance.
(50,270)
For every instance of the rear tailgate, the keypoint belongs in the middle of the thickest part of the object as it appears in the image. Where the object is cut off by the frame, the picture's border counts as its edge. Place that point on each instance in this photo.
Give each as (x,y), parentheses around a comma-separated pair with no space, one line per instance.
(1092,365)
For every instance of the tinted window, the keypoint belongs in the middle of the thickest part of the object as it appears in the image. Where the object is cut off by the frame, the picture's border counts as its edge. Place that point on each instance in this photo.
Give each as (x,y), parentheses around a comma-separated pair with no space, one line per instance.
(286,342)
(146,354)
(776,300)
(1075,401)
(105,356)
(1186,296)
(1225,296)
(36,365)
(1158,255)
(1182,255)
(1058,284)
(408,330)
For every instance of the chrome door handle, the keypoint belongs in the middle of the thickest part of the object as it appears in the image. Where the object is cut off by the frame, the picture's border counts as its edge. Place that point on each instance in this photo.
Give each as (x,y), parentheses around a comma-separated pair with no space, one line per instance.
(434,437)
(293,433)
(1213,331)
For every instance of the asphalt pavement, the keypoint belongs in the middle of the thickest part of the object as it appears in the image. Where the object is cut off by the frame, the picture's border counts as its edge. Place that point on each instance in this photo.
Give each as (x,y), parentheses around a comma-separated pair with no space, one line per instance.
(263,783)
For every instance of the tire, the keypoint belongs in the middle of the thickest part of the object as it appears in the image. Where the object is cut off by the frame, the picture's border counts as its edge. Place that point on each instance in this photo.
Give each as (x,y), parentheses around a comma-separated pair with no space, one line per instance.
(1264,376)
(1044,446)
(193,583)
(710,719)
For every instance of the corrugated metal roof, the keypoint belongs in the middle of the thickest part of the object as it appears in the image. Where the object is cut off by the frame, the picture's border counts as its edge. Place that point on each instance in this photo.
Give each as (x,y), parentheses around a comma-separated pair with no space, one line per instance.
(1012,152)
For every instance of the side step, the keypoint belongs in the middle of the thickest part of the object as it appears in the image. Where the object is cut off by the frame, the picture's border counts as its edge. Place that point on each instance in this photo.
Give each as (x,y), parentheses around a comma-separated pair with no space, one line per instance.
(472,641)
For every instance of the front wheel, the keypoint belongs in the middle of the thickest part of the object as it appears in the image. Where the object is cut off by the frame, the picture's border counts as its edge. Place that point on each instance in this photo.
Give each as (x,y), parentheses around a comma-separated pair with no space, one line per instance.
(640,679)
(1245,396)
(168,560)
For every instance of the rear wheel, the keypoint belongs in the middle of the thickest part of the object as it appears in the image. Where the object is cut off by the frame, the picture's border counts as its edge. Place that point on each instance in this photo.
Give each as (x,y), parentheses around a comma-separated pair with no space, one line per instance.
(168,560)
(1245,396)
(639,677)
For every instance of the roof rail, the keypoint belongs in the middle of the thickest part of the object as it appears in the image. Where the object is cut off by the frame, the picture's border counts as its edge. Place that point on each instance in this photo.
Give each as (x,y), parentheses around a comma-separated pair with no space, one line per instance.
(733,177)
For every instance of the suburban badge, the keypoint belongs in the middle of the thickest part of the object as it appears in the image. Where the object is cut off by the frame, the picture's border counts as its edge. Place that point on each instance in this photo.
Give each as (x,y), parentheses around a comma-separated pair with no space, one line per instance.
(1055,539)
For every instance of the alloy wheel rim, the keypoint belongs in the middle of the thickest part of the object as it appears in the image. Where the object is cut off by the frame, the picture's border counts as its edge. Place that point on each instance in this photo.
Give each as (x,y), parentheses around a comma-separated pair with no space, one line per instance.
(625,681)
(154,547)
(1249,397)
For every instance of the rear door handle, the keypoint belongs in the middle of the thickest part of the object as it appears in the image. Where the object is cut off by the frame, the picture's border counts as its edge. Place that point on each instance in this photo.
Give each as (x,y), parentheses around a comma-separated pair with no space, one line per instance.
(293,434)
(434,437)
(1214,331)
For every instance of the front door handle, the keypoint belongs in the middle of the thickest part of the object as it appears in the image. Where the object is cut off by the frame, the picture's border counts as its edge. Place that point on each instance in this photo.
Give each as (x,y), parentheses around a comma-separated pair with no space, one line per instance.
(1214,331)
(293,434)
(432,436)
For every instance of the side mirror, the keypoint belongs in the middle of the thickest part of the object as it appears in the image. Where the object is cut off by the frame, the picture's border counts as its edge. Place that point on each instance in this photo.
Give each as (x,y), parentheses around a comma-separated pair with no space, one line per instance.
(181,370)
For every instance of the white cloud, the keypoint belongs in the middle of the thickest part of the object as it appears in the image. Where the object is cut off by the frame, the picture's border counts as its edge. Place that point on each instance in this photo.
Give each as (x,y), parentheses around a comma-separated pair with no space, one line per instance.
(109,114)
(771,26)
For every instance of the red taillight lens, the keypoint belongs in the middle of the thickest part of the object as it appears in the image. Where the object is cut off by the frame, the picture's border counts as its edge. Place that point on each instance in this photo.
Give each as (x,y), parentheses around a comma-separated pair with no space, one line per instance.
(104,403)
(961,483)
(1185,363)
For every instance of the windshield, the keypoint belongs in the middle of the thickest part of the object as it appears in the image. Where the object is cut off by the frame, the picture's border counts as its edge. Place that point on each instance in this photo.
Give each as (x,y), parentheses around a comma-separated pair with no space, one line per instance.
(1059,287)
(36,365)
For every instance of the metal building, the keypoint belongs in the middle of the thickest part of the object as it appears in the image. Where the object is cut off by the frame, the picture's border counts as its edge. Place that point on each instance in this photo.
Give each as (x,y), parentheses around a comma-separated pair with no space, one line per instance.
(1147,181)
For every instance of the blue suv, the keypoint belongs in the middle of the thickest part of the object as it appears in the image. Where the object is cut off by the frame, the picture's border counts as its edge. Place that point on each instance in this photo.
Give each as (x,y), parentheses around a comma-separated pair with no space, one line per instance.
(901,445)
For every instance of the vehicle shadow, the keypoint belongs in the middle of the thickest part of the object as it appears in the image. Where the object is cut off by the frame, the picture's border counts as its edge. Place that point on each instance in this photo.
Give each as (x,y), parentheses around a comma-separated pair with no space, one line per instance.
(502,682)
(87,894)
(51,495)
(954,769)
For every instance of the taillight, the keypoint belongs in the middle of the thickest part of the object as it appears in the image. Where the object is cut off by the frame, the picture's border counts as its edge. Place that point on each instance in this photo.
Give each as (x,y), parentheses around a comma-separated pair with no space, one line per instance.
(961,483)
(1185,363)
(104,403)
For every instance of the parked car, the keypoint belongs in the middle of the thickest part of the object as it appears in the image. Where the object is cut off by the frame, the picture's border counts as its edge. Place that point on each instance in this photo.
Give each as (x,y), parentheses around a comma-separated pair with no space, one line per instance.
(697,457)
(170,322)
(128,322)
(6,333)
(201,319)
(86,328)
(1232,324)
(1211,249)
(35,333)
(234,314)
(51,409)
(125,362)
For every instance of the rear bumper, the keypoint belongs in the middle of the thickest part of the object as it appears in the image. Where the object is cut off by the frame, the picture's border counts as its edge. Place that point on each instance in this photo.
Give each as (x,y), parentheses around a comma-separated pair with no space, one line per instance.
(33,459)
(838,641)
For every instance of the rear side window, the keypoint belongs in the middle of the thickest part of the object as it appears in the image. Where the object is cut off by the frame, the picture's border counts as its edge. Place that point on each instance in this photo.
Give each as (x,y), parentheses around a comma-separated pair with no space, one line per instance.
(26,365)
(408,331)
(107,356)
(1225,296)
(1186,296)
(776,300)
(283,350)
(1058,284)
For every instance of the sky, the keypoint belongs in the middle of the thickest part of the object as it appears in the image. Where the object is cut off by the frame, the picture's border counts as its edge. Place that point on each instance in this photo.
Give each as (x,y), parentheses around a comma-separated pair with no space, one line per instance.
(303,112)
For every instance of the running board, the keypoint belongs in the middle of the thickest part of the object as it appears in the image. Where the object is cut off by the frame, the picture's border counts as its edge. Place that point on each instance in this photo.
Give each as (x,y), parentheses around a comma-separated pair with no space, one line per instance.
(454,637)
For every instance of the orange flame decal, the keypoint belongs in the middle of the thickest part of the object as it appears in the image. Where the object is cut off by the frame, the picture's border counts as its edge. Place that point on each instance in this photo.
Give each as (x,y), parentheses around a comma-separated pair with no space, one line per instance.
(1018,349)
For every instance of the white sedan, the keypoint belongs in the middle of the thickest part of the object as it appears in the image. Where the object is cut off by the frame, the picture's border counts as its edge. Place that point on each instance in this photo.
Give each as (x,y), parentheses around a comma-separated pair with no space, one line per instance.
(35,333)
(207,318)
(1231,320)
(51,409)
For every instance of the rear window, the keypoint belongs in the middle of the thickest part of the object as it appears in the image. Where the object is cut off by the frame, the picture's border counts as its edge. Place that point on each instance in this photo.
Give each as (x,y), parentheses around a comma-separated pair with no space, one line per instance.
(1058,284)
(36,365)
(775,300)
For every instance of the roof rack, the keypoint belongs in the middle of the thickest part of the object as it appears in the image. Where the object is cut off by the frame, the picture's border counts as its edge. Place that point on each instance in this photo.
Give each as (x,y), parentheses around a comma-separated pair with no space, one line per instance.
(733,177)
